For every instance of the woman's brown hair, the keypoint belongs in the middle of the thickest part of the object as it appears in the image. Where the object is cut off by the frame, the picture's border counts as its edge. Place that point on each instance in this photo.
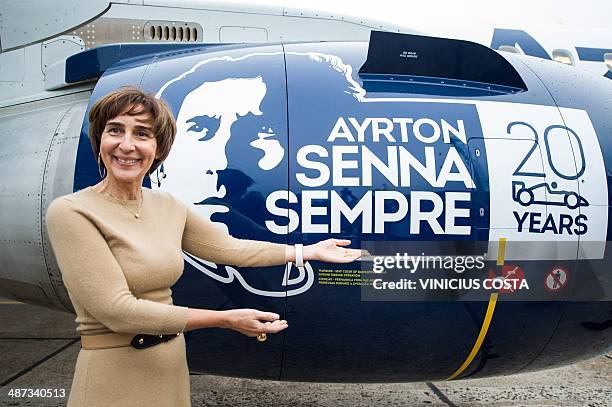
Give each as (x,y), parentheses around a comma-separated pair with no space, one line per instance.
(132,101)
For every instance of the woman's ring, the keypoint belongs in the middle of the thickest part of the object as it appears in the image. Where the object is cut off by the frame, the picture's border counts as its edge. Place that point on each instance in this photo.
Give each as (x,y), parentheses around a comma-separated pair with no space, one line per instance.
(262,337)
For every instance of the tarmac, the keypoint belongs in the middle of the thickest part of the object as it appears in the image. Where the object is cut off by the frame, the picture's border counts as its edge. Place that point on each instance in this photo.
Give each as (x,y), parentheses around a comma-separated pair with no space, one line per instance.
(38,349)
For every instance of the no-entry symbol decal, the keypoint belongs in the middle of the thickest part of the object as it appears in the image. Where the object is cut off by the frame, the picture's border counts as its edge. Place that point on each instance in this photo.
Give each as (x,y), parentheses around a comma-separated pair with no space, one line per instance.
(556,279)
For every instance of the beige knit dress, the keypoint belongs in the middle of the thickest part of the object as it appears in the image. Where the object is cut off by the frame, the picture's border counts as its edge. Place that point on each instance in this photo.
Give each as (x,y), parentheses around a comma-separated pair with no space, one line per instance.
(118,270)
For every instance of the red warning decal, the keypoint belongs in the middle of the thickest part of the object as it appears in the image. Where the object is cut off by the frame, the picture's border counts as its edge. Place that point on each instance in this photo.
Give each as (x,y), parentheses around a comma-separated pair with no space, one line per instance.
(556,279)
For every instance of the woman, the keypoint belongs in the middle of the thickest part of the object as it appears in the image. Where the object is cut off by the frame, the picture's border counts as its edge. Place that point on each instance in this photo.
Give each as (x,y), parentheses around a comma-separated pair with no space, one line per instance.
(119,247)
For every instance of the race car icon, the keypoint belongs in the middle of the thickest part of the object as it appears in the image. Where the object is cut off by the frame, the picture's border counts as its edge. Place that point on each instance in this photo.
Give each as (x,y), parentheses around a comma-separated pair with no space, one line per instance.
(527,195)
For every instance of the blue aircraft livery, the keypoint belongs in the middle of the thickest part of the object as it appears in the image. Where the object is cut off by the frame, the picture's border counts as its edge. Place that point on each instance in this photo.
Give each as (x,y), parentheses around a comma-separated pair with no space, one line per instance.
(291,143)
(288,146)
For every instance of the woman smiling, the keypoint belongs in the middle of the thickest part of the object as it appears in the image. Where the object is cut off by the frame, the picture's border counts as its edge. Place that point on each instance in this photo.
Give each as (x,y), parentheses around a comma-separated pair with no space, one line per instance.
(119,258)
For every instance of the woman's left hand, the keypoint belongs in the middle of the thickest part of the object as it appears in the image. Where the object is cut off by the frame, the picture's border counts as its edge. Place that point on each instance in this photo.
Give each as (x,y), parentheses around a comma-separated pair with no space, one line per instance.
(331,251)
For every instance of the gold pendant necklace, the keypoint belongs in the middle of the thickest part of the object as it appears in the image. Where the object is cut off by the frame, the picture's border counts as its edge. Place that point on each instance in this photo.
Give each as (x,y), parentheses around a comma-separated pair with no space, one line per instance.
(137,213)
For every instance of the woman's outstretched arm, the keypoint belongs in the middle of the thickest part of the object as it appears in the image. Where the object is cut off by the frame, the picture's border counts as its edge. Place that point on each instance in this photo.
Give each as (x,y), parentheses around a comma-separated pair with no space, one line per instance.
(205,240)
(250,322)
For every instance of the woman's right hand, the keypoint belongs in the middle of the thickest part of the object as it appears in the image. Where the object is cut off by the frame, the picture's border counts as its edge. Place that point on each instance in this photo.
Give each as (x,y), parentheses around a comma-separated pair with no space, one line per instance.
(252,322)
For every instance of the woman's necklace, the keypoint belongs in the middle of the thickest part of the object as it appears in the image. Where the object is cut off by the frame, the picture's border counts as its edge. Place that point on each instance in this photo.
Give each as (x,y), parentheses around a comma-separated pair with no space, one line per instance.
(137,213)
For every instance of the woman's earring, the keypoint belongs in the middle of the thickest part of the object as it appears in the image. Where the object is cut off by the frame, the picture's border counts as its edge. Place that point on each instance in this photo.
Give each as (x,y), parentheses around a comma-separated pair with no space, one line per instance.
(100,167)
(162,172)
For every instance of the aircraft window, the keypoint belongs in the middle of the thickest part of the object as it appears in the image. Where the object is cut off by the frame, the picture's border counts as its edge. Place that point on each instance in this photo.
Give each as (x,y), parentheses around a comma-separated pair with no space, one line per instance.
(173,34)
(187,34)
(194,34)
(180,34)
(166,33)
(510,48)
(563,56)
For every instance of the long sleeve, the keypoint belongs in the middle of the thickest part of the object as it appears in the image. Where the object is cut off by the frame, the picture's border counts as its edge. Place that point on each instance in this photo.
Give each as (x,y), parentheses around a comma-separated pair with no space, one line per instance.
(95,280)
(203,239)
